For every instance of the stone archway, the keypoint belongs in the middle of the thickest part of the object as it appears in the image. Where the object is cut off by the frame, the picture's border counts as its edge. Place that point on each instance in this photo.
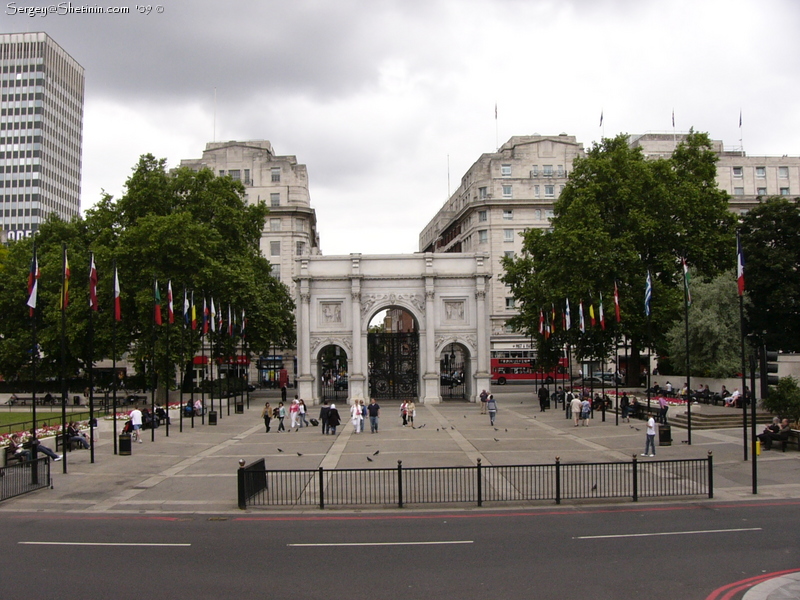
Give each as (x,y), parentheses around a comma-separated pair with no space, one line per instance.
(337,296)
(393,355)
(332,373)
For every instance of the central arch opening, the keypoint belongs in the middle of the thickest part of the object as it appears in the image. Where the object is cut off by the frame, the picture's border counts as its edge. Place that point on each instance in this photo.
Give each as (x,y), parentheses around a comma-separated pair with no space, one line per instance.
(393,355)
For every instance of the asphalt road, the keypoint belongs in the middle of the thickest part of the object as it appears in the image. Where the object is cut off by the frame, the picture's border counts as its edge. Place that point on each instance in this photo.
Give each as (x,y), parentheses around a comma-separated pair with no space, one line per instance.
(657,552)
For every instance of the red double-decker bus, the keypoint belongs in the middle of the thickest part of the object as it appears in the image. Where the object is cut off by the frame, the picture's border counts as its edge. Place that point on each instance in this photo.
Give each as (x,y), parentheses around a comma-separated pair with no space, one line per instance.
(514,366)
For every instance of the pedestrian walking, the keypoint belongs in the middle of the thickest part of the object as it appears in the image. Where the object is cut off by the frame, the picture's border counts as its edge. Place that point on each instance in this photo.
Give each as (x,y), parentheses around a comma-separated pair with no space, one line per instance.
(294,413)
(543,397)
(586,410)
(491,407)
(281,416)
(411,409)
(575,408)
(303,420)
(662,414)
(266,414)
(374,412)
(333,419)
(355,416)
(136,423)
(323,416)
(484,397)
(625,406)
(650,441)
(404,412)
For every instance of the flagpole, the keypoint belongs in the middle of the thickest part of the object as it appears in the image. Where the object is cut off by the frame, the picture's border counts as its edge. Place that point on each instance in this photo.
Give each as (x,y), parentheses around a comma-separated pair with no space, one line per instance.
(114,378)
(154,375)
(740,286)
(181,365)
(688,365)
(64,393)
(92,299)
(167,363)
(34,350)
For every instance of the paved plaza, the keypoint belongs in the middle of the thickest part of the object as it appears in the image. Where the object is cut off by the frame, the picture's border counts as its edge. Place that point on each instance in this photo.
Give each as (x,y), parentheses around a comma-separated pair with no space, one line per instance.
(195,471)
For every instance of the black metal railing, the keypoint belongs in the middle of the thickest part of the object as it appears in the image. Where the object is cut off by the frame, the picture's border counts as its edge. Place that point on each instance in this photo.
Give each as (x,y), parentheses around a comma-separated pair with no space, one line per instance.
(24,477)
(477,484)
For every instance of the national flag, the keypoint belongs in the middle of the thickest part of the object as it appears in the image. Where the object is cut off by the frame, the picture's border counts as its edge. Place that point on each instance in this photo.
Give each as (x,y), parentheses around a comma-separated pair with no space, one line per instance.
(205,317)
(601,118)
(186,315)
(244,323)
(547,328)
(230,322)
(541,322)
(553,319)
(65,283)
(170,307)
(648,294)
(740,118)
(686,279)
(213,317)
(591,315)
(495,111)
(33,283)
(673,118)
(567,318)
(194,314)
(93,285)
(580,315)
(602,316)
(117,306)
(156,304)
(616,303)
(739,265)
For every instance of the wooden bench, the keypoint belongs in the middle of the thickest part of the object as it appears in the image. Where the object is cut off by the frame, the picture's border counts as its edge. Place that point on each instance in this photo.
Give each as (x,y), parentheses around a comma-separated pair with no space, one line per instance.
(71,444)
(793,439)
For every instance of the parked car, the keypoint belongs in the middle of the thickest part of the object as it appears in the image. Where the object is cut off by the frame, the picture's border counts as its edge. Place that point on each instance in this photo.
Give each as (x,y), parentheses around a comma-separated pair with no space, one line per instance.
(450,380)
(340,385)
(597,379)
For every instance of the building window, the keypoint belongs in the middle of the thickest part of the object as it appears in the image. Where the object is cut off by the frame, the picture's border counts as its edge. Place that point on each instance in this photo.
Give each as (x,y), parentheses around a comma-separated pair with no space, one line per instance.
(482,216)
(784,191)
(505,170)
(510,302)
(548,214)
(222,172)
(276,271)
(508,328)
(738,172)
(274,199)
(274,248)
(299,225)
(507,191)
(738,191)
(508,215)
(761,172)
(509,253)
(536,191)
(761,191)
(549,191)
(547,170)
(300,248)
(274,224)
(483,236)
(508,235)
(235,174)
(561,189)
(535,171)
(482,193)
(538,214)
(247,176)
(783,172)
(560,170)
(276,174)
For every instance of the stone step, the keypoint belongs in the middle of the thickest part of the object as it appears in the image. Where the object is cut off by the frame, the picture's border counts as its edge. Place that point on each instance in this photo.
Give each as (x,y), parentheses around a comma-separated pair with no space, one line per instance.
(702,420)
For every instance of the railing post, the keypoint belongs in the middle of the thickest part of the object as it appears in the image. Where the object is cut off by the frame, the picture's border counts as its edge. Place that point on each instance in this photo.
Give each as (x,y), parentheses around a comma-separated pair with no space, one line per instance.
(321,489)
(400,484)
(480,484)
(558,480)
(635,479)
(710,474)
(241,485)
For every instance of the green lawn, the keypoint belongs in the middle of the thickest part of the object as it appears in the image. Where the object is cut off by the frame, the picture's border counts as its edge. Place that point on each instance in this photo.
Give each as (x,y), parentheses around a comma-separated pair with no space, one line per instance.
(51,414)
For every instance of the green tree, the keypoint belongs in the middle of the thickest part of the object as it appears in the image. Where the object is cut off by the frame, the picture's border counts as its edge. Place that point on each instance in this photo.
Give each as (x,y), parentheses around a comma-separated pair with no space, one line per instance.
(620,216)
(714,330)
(191,228)
(770,236)
(784,399)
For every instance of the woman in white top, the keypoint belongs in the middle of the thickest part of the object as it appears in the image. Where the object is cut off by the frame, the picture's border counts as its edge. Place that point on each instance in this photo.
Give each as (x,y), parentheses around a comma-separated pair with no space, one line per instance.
(355,415)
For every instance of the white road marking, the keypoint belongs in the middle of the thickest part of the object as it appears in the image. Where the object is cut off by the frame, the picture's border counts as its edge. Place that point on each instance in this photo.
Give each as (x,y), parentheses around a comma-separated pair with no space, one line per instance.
(100,544)
(630,535)
(380,544)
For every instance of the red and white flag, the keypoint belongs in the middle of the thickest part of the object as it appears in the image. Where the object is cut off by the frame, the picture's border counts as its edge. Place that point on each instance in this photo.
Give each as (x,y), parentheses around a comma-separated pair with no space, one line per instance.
(93,285)
(117,305)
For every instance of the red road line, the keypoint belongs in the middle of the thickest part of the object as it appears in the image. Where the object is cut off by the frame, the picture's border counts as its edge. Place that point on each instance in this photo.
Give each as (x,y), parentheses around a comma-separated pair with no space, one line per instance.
(730,590)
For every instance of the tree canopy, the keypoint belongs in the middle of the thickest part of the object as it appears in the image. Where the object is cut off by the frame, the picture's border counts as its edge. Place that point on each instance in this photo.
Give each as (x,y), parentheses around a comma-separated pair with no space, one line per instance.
(770,236)
(192,229)
(620,216)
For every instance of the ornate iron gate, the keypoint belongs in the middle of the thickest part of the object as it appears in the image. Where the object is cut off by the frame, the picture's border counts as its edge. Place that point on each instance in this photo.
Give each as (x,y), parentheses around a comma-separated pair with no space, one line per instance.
(333,374)
(452,383)
(393,359)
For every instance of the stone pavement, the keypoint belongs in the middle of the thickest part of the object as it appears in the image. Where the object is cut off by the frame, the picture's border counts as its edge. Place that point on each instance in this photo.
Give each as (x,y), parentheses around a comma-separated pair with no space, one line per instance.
(195,471)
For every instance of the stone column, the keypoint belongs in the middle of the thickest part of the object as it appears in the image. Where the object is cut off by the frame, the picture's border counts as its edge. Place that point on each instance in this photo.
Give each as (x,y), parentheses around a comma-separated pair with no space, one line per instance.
(483,377)
(357,381)
(305,380)
(431,378)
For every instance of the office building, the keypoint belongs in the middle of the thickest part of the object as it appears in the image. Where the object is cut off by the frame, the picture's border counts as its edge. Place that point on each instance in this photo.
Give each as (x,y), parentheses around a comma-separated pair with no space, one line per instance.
(41,129)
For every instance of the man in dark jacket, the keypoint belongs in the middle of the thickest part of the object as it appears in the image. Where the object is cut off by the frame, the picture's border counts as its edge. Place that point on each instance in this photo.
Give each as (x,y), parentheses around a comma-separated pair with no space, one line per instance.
(333,419)
(323,416)
(544,396)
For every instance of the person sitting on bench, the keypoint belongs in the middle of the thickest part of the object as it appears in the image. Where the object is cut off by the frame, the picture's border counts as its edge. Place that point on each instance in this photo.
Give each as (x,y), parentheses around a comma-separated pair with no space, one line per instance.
(770,436)
(17,451)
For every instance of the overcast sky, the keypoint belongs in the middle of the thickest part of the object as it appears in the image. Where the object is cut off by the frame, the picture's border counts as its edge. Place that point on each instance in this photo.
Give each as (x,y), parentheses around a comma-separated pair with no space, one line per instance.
(375,95)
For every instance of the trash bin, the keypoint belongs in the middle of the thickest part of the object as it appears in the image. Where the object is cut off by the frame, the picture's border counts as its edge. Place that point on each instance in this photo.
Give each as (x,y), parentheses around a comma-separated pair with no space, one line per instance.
(212,417)
(665,435)
(124,447)
(239,408)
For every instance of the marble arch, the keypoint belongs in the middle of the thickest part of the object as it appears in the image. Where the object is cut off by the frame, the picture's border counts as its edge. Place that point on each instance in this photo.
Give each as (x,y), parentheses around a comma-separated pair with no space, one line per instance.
(337,296)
